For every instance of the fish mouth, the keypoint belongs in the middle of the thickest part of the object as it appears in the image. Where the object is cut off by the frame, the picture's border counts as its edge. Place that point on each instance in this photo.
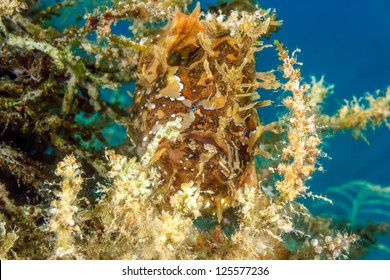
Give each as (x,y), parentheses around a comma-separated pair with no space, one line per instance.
(207,137)
(229,157)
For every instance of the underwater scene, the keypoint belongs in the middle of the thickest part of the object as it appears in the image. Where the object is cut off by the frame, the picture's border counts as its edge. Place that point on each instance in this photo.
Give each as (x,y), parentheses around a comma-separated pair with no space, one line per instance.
(180,129)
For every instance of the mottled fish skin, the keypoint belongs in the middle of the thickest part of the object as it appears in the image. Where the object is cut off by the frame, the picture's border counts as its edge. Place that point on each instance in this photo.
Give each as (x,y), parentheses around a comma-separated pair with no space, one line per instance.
(198,73)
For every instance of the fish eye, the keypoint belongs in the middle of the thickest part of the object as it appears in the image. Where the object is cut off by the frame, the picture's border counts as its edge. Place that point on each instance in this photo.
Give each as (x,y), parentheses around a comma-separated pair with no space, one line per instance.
(193,106)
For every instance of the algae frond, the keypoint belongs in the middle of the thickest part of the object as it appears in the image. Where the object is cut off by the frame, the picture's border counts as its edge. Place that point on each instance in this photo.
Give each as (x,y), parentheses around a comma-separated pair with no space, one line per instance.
(196,151)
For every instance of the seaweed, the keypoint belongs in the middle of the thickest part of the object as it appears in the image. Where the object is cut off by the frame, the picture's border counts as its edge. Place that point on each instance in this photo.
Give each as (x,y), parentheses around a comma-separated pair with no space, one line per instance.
(199,175)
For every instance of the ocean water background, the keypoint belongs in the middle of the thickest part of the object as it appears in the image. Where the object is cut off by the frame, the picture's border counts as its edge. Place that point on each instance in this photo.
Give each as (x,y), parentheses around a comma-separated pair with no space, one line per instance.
(349,43)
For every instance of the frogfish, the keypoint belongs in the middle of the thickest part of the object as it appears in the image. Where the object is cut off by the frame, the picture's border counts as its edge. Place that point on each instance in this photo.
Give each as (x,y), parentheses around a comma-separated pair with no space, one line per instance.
(202,73)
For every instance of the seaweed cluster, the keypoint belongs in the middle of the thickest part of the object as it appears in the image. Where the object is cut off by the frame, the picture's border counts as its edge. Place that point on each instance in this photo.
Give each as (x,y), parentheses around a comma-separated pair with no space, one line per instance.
(198,176)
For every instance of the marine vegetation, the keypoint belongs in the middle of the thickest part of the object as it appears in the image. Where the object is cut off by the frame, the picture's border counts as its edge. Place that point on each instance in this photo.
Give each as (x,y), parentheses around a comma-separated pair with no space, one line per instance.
(194,172)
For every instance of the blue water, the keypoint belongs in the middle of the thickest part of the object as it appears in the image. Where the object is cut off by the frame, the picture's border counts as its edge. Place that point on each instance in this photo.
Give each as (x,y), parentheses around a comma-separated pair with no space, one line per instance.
(349,43)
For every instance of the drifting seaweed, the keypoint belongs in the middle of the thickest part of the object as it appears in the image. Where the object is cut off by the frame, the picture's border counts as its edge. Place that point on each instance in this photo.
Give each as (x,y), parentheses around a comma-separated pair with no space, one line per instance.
(194,138)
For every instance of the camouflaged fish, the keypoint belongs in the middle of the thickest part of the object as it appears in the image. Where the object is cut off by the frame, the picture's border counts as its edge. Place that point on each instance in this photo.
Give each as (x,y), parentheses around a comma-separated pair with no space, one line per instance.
(198,72)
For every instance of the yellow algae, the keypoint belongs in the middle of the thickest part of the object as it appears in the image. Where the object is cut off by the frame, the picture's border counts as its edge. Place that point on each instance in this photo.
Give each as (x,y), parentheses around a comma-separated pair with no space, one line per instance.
(198,146)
